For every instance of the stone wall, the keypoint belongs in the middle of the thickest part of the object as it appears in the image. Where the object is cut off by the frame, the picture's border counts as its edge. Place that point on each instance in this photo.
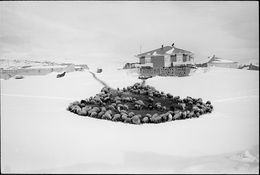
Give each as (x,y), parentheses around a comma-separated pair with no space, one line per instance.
(167,71)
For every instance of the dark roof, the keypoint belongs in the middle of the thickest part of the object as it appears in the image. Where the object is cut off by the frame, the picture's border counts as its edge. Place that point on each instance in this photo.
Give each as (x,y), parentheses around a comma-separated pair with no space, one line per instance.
(164,50)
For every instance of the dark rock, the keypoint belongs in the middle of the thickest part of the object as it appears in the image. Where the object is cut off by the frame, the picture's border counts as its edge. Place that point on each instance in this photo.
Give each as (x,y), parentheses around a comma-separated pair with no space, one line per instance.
(150,106)
(164,108)
(199,100)
(169,95)
(100,114)
(83,112)
(96,109)
(156,118)
(208,102)
(176,106)
(107,116)
(184,114)
(136,119)
(148,115)
(195,108)
(170,117)
(145,120)
(93,114)
(123,112)
(177,116)
(124,116)
(131,114)
(116,117)
(164,117)
(191,114)
(128,120)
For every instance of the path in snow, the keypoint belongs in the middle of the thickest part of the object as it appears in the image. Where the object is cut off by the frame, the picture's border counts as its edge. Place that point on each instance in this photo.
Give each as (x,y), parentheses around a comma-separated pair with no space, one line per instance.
(100,81)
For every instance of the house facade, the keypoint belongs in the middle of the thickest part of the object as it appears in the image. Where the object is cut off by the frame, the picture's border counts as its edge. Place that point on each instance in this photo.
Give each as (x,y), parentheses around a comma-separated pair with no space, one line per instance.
(167,56)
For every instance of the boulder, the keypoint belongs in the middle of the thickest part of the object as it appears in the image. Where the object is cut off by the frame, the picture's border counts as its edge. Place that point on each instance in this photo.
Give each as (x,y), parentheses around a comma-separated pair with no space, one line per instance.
(170,117)
(150,100)
(158,105)
(145,120)
(184,114)
(164,117)
(83,112)
(131,114)
(103,109)
(96,109)
(116,117)
(124,116)
(191,114)
(137,106)
(111,107)
(123,112)
(136,119)
(109,112)
(140,102)
(107,116)
(155,118)
(93,114)
(164,108)
(177,116)
(195,108)
(150,106)
(199,100)
(100,114)
(168,95)
(148,115)
(76,103)
(128,120)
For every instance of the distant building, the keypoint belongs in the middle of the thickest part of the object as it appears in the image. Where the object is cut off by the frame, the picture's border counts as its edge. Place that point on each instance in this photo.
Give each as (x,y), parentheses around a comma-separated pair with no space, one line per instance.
(131,65)
(167,56)
(219,62)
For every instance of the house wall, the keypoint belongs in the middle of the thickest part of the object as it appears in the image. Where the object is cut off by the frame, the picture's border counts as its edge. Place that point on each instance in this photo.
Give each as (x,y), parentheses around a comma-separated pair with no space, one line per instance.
(167,61)
(158,61)
(179,58)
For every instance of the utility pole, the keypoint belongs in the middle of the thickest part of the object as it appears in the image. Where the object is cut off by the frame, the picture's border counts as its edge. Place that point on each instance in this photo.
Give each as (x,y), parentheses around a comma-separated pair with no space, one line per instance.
(140,48)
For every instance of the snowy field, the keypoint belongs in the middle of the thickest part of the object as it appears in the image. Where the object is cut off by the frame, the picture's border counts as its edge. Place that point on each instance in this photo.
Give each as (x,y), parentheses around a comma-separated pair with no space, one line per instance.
(38,135)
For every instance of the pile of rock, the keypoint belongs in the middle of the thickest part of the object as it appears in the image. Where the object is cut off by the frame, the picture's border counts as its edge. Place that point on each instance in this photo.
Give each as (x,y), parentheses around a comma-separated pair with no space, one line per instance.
(130,105)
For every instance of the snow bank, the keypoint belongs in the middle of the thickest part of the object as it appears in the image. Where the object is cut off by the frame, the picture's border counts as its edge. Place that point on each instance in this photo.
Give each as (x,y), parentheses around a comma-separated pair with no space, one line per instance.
(39,136)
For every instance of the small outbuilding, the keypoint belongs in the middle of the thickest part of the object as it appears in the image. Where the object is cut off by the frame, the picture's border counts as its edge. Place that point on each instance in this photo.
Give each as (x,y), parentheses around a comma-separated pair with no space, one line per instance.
(219,62)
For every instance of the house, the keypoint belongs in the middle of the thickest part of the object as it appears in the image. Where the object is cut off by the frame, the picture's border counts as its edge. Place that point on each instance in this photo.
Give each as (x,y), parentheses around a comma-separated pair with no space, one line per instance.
(219,62)
(167,56)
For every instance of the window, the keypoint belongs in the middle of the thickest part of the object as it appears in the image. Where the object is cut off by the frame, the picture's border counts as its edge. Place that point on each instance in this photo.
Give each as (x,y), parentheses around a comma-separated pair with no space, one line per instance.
(185,57)
(173,58)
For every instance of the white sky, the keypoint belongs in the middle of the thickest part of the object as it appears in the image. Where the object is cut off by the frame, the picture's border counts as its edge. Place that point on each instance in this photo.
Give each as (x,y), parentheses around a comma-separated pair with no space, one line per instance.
(100,31)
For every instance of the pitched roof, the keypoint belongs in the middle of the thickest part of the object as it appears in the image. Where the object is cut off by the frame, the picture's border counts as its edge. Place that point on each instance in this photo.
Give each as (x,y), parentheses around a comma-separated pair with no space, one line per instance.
(164,51)
(215,59)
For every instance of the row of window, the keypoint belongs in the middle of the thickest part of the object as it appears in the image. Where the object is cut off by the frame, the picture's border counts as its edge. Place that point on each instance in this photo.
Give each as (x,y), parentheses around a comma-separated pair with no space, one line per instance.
(184,58)
(173,59)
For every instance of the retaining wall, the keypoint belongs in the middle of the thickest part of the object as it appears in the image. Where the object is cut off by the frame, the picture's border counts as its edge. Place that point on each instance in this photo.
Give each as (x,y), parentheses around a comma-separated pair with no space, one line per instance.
(167,71)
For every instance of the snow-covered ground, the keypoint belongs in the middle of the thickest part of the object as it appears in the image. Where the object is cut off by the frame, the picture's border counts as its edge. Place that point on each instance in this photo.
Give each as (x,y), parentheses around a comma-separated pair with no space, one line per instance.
(38,135)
